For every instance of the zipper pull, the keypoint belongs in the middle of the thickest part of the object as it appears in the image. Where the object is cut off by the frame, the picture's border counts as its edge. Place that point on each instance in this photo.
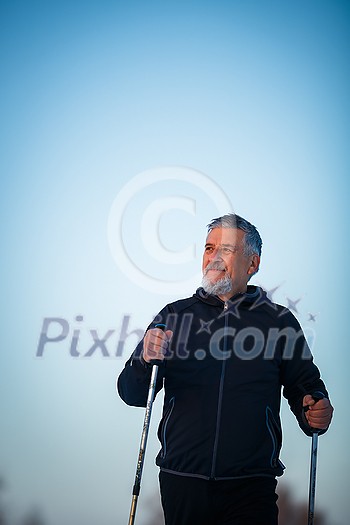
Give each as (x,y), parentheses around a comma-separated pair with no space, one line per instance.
(225,306)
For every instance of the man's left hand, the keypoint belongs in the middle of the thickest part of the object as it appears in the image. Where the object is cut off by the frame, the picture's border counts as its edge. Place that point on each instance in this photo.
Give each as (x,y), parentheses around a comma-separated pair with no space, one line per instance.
(319,414)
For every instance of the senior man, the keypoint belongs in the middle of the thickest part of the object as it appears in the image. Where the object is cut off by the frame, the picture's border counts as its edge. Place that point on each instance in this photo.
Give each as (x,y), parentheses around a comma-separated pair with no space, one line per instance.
(227,353)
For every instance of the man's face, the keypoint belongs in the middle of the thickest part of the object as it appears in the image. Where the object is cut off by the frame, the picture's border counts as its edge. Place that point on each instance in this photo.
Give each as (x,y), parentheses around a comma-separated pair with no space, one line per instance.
(224,256)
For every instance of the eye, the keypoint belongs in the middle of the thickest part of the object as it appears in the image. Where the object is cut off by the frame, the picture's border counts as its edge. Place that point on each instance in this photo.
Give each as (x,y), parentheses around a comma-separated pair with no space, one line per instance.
(227,251)
(208,249)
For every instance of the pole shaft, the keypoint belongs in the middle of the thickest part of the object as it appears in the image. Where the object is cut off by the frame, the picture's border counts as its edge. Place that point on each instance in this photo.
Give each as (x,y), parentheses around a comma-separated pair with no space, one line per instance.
(132,510)
(312,484)
(144,436)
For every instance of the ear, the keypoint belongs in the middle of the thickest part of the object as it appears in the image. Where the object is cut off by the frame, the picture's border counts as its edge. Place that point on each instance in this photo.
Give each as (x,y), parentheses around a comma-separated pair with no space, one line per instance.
(254,264)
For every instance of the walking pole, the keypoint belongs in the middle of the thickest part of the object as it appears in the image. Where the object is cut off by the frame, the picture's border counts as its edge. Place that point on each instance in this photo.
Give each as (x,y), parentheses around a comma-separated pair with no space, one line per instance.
(312,485)
(144,436)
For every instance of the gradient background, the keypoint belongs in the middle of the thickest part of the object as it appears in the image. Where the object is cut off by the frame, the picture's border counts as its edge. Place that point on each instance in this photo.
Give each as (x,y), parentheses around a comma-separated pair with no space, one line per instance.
(253,95)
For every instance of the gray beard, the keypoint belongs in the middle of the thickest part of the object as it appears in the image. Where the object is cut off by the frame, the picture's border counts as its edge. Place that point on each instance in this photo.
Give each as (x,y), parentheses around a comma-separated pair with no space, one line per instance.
(221,287)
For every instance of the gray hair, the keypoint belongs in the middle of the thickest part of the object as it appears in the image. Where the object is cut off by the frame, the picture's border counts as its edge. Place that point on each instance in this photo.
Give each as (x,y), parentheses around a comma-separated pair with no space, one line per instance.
(252,239)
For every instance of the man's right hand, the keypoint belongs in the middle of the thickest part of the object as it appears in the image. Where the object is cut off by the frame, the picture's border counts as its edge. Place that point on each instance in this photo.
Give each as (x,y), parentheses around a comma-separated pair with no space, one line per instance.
(155,344)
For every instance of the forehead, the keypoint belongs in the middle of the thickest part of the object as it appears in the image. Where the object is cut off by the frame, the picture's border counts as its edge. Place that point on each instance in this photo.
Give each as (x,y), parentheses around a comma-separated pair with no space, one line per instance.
(225,236)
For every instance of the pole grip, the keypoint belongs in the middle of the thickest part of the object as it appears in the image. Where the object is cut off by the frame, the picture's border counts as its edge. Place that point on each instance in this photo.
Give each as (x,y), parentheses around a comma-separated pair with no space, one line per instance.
(316,396)
(158,362)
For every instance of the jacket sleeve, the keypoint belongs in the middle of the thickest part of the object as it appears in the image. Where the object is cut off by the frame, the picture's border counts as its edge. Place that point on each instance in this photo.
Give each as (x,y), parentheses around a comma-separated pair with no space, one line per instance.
(299,374)
(134,380)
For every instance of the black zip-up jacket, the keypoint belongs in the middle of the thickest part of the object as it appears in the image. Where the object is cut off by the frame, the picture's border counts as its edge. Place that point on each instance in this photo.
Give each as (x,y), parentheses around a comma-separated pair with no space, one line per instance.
(222,377)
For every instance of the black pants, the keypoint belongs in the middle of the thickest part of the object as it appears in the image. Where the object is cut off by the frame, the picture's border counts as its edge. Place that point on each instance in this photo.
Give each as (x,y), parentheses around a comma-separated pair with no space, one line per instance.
(194,501)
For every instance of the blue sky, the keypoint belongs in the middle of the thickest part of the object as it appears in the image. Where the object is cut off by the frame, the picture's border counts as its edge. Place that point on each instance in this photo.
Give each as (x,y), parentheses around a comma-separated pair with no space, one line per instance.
(195,106)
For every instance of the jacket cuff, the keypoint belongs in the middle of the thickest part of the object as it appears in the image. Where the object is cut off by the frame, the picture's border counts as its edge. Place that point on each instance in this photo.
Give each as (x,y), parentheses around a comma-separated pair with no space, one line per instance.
(144,363)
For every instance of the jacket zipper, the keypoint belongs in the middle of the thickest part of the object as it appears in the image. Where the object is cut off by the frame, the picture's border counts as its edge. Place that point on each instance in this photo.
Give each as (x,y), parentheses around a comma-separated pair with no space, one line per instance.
(221,388)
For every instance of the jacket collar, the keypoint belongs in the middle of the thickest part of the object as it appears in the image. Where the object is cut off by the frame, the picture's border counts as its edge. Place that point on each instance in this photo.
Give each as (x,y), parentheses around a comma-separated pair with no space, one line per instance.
(252,294)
